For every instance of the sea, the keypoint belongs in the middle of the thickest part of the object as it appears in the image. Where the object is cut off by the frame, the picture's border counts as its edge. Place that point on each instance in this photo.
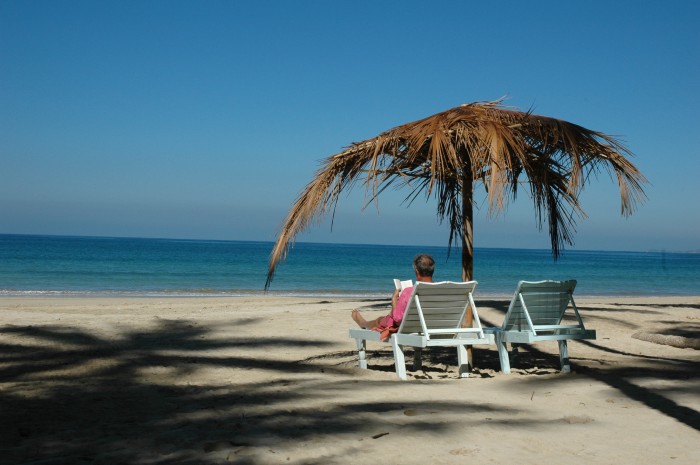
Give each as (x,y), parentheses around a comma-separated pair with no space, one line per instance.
(32,265)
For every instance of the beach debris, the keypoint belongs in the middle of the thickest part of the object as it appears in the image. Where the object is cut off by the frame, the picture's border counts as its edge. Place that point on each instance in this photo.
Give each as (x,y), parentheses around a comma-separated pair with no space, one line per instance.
(682,342)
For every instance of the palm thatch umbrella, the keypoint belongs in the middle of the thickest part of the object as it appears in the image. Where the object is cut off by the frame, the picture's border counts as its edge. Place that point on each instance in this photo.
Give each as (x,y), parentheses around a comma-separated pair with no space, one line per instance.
(446,154)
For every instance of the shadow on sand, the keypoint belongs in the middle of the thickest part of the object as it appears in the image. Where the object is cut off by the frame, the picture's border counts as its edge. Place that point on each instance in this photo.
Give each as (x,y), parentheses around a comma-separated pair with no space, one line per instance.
(68,396)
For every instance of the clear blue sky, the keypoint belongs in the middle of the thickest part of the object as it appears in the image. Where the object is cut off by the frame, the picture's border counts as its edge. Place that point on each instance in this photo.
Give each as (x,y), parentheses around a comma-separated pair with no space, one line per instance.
(205,119)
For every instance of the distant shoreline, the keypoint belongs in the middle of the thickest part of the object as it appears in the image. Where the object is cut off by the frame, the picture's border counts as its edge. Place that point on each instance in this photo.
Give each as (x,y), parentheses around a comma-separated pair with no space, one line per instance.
(579,298)
(341,244)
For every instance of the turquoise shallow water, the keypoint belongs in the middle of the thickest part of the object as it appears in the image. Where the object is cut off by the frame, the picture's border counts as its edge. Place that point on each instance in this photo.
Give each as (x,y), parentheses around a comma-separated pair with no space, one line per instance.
(57,265)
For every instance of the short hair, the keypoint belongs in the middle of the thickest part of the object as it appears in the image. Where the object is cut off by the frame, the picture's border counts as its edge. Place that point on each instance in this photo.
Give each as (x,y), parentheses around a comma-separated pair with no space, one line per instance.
(424,265)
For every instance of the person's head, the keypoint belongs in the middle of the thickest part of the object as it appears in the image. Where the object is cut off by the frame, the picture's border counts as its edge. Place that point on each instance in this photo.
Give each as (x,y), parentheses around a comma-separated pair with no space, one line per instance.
(424,265)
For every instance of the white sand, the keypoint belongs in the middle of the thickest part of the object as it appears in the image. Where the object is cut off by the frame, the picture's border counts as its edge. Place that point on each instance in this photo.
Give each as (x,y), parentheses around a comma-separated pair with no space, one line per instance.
(265,380)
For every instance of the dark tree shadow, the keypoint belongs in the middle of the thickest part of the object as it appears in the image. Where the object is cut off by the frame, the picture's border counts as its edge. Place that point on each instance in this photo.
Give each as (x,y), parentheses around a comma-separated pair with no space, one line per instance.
(73,397)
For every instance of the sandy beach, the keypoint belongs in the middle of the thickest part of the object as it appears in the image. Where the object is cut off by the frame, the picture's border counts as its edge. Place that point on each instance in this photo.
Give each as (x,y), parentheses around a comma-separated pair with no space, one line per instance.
(271,380)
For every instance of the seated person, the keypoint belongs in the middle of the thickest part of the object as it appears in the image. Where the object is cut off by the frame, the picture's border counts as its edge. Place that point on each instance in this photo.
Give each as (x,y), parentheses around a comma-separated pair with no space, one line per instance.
(423,266)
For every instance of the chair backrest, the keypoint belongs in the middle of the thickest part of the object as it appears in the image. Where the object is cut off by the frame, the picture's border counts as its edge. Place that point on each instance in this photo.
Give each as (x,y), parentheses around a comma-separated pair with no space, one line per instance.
(437,306)
(544,302)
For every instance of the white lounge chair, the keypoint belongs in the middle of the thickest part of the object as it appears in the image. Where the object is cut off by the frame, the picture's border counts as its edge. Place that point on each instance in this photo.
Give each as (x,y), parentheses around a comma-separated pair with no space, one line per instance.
(434,317)
(535,314)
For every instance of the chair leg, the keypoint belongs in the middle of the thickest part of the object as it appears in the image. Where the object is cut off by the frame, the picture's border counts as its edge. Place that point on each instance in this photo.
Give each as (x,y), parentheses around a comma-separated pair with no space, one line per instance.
(417,359)
(399,359)
(463,361)
(514,353)
(564,356)
(502,354)
(362,352)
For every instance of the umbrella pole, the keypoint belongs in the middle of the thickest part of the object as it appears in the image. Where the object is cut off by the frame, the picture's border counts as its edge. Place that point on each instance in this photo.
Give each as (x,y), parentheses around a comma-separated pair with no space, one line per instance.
(468,242)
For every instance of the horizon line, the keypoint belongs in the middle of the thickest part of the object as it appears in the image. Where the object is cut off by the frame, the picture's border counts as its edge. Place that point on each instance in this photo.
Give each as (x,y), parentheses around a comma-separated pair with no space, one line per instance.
(80,236)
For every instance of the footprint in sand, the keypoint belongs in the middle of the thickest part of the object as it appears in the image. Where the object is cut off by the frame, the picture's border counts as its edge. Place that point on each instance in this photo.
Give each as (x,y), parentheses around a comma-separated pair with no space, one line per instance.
(463,451)
(577,420)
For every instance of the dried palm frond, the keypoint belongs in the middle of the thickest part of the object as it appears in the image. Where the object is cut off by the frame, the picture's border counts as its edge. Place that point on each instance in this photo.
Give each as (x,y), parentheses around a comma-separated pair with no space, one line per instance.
(445,154)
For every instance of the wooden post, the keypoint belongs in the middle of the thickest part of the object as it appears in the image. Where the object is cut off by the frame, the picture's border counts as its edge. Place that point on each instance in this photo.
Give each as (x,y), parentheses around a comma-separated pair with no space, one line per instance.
(467,228)
(468,239)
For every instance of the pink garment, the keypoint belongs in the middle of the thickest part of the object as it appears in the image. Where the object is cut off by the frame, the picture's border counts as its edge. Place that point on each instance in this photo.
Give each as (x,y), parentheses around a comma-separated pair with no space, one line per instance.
(390,323)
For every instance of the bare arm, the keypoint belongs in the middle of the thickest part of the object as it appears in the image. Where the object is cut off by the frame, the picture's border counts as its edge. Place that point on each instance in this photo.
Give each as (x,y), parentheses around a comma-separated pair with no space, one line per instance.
(395,298)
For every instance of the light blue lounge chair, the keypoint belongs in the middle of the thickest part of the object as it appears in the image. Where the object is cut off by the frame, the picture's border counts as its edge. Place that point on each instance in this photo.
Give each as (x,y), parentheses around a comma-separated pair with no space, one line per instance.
(535,314)
(434,317)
